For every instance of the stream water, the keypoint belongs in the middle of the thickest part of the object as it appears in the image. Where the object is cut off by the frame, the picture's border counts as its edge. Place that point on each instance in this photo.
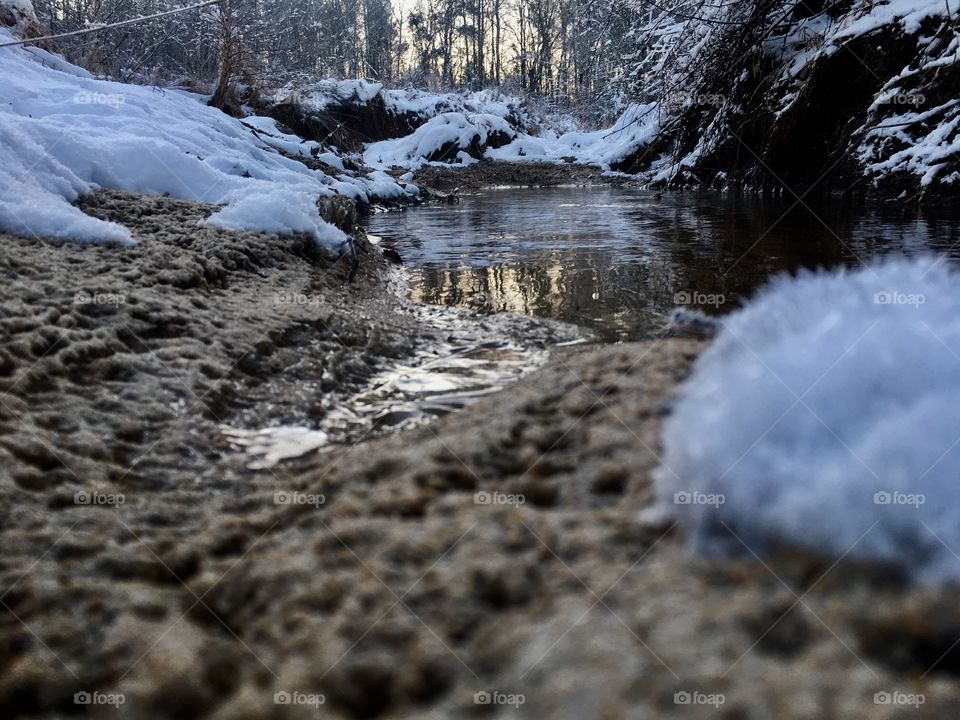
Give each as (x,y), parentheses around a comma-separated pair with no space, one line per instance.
(475,357)
(618,261)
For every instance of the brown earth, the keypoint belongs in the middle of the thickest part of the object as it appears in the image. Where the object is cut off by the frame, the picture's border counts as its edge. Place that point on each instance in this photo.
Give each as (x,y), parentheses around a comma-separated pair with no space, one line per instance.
(490,173)
(404,592)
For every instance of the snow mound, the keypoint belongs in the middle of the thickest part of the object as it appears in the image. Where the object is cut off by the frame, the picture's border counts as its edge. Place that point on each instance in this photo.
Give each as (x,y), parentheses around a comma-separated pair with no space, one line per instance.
(279,211)
(827,415)
(637,126)
(64,133)
(441,138)
(265,128)
(36,191)
(425,104)
(525,149)
(462,137)
(319,95)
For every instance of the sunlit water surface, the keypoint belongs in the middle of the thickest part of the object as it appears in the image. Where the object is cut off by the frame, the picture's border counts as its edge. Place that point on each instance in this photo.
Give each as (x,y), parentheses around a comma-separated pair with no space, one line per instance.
(618,261)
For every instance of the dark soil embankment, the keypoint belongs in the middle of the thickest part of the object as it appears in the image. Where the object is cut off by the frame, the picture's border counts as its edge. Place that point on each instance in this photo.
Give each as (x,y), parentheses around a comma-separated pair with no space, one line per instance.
(347,124)
(493,173)
(773,105)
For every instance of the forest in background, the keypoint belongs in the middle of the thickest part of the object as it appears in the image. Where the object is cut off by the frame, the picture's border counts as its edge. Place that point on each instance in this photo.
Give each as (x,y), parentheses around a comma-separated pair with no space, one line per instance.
(841,95)
(575,52)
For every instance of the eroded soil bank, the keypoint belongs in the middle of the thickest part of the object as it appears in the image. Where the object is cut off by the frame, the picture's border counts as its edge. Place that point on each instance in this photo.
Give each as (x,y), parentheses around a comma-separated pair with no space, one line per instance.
(374,574)
(494,173)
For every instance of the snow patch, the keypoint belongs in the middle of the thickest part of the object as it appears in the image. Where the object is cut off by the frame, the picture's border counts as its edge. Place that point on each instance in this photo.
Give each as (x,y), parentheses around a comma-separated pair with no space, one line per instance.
(64,133)
(826,415)
(19,16)
(636,127)
(455,130)
(36,191)
(319,95)
(279,211)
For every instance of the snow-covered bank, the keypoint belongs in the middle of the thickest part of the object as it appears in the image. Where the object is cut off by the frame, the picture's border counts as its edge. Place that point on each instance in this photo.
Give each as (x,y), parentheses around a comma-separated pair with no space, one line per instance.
(411,128)
(417,105)
(457,137)
(858,98)
(605,148)
(64,133)
(826,415)
(463,138)
(852,97)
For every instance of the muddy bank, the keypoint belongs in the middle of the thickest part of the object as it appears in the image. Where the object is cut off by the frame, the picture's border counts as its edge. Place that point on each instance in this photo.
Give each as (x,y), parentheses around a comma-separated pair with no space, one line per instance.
(193,321)
(504,549)
(493,173)
(194,325)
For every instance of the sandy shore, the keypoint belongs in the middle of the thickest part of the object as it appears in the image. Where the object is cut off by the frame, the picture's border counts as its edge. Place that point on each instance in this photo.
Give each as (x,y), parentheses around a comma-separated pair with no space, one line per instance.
(505,549)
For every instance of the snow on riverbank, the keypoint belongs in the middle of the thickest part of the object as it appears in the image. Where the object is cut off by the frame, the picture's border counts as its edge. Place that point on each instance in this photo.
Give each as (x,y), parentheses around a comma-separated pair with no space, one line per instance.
(461,128)
(780,94)
(64,132)
(423,104)
(872,82)
(450,136)
(827,415)
(636,127)
(462,138)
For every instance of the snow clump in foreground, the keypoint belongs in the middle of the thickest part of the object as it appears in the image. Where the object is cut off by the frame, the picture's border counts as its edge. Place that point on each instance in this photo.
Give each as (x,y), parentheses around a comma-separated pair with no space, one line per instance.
(827,415)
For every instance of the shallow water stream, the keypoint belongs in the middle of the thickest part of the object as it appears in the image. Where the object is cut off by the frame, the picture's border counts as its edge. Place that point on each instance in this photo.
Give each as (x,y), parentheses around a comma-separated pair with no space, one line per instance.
(615,262)
(619,261)
(471,356)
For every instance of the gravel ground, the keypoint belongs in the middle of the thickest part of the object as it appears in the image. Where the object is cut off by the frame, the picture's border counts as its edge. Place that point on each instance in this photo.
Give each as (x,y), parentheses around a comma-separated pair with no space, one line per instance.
(505,553)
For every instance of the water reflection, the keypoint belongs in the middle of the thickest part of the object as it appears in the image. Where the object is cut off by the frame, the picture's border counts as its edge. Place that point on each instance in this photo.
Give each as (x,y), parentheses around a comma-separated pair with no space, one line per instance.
(619,260)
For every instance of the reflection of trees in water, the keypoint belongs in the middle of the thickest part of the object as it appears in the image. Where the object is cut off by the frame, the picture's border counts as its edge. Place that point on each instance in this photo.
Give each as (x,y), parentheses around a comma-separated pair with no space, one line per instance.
(583,287)
(617,267)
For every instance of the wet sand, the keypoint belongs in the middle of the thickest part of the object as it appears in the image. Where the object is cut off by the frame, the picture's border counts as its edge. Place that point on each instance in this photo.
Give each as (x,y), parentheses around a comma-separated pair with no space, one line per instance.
(508,548)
